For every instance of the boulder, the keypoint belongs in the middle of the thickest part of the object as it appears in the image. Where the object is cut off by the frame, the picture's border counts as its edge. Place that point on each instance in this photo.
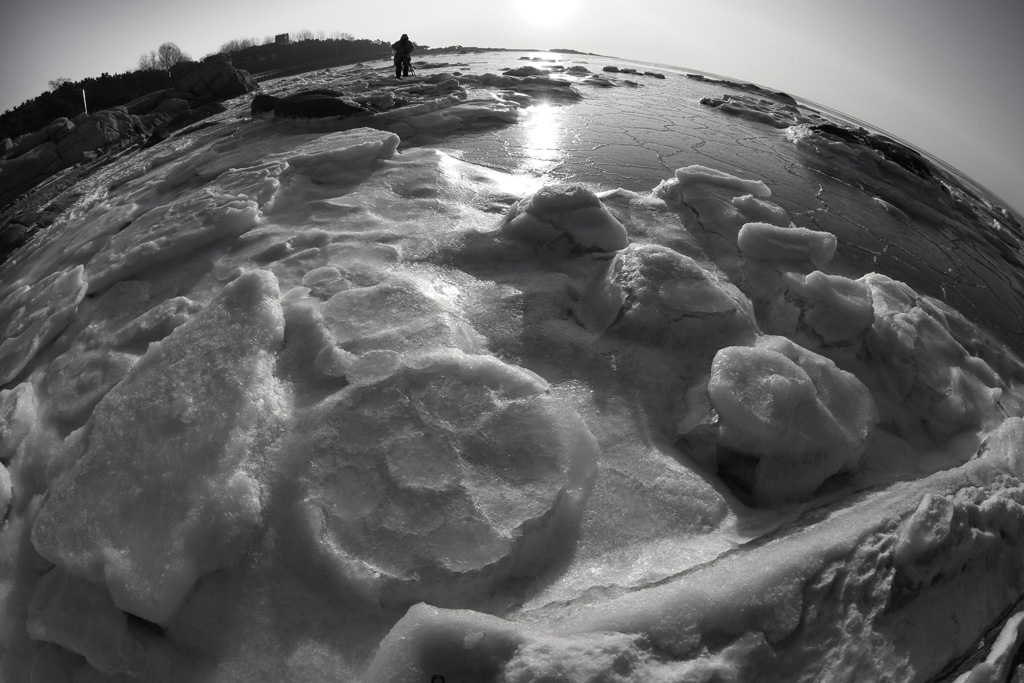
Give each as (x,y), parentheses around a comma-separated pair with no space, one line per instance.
(217,79)
(147,103)
(6,145)
(309,104)
(28,170)
(55,131)
(98,131)
(174,106)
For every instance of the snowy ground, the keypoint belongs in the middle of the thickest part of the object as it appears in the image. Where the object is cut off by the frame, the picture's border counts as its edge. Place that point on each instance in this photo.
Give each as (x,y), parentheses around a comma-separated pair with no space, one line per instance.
(443,391)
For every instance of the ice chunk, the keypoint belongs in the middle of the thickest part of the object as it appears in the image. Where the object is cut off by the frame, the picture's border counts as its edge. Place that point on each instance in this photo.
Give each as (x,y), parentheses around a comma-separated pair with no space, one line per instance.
(5,492)
(761,211)
(450,475)
(694,180)
(1004,654)
(712,196)
(767,242)
(33,316)
(658,296)
(17,413)
(162,494)
(571,216)
(948,534)
(168,232)
(788,417)
(458,645)
(923,364)
(835,308)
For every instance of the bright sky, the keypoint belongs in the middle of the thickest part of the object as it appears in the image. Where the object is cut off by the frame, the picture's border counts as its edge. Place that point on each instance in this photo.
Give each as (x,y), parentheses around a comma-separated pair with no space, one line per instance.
(942,74)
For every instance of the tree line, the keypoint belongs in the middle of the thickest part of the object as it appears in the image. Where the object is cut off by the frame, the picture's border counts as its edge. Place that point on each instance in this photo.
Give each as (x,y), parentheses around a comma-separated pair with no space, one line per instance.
(160,69)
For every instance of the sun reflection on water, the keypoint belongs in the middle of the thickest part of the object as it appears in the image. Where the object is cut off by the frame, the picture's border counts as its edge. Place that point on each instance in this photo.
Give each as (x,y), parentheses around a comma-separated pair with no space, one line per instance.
(543,143)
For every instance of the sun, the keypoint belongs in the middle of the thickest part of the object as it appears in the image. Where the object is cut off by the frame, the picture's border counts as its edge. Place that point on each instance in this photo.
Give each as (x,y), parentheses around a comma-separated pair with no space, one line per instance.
(547,12)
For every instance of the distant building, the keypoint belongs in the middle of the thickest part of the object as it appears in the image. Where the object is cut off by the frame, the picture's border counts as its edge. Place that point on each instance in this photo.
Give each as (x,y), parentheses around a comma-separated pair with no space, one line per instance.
(281,39)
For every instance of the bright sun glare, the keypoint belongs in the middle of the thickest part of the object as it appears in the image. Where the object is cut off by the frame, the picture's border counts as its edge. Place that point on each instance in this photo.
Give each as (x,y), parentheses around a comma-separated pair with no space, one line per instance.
(547,12)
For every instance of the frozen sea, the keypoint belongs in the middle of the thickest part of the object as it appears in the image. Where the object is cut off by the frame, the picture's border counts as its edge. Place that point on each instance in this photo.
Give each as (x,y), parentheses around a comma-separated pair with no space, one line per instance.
(535,371)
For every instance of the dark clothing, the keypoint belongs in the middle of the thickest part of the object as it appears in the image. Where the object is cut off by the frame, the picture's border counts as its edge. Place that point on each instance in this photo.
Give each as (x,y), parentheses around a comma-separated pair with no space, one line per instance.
(403,51)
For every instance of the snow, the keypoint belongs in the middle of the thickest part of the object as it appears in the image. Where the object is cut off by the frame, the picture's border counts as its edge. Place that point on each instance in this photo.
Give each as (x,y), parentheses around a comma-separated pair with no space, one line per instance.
(410,394)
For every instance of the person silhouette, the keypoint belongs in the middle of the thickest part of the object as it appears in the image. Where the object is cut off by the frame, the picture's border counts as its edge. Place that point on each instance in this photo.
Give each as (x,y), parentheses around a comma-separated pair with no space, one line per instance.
(403,51)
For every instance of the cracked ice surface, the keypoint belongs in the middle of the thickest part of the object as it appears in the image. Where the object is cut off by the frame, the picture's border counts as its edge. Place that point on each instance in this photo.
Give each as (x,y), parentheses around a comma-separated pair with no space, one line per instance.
(535,373)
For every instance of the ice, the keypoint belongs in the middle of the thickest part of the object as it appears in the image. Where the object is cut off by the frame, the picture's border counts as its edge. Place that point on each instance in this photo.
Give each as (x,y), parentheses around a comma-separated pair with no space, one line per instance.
(658,296)
(395,316)
(1000,662)
(5,491)
(767,242)
(148,510)
(517,375)
(794,413)
(34,316)
(80,616)
(167,233)
(569,217)
(438,482)
(17,413)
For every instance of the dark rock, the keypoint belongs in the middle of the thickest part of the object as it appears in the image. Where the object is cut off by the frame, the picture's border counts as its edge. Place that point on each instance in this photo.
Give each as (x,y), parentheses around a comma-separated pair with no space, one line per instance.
(6,145)
(899,154)
(97,131)
(147,103)
(217,79)
(158,136)
(28,170)
(526,71)
(55,131)
(263,104)
(174,107)
(309,104)
(611,69)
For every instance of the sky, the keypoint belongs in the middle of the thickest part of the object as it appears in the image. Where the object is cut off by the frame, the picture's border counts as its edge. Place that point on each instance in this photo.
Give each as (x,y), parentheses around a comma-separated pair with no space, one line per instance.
(941,74)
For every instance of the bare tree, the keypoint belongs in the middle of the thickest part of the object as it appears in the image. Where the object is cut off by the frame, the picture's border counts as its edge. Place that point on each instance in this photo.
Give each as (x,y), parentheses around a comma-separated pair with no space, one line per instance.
(164,57)
(57,82)
(170,54)
(149,62)
(238,45)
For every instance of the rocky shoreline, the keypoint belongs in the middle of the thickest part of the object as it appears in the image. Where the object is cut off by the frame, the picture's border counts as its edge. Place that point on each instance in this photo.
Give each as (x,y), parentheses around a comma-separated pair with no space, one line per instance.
(38,170)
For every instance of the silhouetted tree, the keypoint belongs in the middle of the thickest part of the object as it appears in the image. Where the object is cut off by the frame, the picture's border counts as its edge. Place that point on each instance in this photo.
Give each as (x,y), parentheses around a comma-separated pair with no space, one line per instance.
(149,62)
(163,58)
(57,82)
(170,54)
(237,45)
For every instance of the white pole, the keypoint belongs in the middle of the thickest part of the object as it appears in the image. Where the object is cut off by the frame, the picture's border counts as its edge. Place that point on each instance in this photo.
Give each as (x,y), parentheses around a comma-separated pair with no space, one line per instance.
(84,103)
